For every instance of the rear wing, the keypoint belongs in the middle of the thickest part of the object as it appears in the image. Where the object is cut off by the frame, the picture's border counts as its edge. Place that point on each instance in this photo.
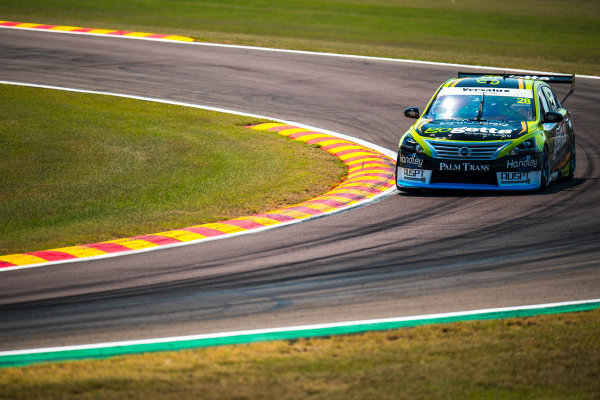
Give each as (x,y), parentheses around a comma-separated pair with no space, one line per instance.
(549,78)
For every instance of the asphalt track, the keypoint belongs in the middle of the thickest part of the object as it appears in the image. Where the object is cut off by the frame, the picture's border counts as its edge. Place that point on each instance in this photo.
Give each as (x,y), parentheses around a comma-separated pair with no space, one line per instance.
(405,255)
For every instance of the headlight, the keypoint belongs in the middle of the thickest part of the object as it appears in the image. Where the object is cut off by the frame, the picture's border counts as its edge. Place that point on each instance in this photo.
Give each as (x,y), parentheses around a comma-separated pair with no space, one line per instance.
(527,147)
(410,145)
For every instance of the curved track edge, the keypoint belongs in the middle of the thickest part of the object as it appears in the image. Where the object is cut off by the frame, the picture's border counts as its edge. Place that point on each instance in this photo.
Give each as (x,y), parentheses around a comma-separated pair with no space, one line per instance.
(16,358)
(188,40)
(370,176)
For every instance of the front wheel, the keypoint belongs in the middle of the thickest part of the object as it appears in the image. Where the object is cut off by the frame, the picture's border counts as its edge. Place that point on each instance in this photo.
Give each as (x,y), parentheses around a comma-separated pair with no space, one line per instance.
(545,176)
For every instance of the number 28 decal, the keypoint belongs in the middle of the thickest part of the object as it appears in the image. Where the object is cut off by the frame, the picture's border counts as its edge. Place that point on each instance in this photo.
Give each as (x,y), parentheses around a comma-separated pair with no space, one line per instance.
(489,81)
(523,100)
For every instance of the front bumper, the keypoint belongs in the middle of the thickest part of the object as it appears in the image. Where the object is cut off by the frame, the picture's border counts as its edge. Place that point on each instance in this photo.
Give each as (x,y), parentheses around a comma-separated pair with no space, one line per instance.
(506,173)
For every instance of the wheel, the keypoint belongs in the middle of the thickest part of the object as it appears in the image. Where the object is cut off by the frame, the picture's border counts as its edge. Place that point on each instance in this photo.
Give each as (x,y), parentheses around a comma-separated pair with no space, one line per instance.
(572,161)
(545,176)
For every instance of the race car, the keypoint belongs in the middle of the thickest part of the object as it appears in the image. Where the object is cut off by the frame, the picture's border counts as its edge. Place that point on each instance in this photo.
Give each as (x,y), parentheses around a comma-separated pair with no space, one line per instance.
(489,132)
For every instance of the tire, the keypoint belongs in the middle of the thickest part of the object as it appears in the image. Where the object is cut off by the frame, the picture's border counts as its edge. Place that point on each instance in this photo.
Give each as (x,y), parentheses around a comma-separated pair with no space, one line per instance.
(545,175)
(572,161)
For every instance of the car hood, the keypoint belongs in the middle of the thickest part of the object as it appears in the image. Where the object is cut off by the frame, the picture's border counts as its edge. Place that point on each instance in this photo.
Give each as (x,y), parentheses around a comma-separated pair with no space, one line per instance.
(471,130)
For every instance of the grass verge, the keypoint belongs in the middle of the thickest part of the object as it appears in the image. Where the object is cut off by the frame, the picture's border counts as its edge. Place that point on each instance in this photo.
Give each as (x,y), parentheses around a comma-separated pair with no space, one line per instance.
(551,35)
(542,357)
(80,168)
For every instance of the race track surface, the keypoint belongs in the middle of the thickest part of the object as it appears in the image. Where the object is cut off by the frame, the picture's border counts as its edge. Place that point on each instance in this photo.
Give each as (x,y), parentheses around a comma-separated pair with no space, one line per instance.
(405,255)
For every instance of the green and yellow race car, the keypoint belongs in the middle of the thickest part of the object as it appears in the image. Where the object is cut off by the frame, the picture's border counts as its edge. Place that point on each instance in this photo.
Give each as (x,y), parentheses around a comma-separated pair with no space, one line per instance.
(489,132)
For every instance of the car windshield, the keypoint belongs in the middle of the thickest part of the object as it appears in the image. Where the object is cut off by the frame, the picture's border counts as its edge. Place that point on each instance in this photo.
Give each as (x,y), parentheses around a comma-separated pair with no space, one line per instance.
(476,104)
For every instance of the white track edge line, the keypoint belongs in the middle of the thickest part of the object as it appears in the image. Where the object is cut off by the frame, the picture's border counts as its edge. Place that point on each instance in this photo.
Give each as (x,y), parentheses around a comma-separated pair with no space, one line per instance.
(423,317)
(389,192)
(304,52)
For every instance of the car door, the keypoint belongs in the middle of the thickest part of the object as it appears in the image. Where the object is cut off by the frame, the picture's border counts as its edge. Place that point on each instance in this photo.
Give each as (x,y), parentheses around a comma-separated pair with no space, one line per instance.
(561,134)
(550,129)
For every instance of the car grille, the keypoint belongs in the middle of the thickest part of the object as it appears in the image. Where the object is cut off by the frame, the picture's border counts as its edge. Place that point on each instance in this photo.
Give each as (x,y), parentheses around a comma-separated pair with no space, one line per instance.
(466,151)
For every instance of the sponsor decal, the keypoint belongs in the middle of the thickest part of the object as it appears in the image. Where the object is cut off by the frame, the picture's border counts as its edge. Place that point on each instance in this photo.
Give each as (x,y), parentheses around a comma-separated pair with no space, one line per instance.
(495,130)
(488,91)
(514,178)
(412,159)
(541,78)
(414,175)
(480,130)
(527,162)
(437,130)
(465,166)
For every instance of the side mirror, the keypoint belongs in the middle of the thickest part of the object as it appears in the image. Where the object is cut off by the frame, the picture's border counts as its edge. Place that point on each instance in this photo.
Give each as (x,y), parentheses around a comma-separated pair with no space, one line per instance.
(412,112)
(552,117)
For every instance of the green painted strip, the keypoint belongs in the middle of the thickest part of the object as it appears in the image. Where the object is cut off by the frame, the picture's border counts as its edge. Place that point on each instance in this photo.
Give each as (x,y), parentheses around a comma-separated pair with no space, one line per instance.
(21,358)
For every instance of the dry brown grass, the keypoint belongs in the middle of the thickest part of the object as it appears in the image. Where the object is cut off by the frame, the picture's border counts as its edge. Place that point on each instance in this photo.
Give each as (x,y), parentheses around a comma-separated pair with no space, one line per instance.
(543,357)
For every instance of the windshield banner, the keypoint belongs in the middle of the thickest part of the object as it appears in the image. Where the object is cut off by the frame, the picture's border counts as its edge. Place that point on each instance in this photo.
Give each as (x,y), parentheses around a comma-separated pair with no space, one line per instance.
(523,93)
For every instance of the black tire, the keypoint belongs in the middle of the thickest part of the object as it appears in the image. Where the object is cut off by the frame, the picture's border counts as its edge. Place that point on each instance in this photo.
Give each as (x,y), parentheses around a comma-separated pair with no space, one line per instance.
(545,175)
(572,161)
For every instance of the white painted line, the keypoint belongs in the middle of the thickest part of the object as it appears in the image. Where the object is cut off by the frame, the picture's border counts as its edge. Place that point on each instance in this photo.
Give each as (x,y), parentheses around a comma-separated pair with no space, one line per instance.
(391,191)
(304,52)
(292,328)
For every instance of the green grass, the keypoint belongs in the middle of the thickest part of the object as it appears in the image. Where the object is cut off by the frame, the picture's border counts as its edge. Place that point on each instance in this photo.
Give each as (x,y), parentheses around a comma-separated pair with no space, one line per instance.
(551,35)
(79,168)
(544,357)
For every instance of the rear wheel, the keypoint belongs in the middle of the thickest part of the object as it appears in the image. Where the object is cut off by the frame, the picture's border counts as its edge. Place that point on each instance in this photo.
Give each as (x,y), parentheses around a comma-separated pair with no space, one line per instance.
(545,176)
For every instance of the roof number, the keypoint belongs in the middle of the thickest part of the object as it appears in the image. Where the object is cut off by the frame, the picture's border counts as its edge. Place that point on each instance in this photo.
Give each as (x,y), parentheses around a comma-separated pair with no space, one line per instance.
(489,81)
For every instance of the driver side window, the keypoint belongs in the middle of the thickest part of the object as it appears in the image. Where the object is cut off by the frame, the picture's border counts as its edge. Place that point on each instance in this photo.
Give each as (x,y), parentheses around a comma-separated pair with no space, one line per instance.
(543,104)
(552,101)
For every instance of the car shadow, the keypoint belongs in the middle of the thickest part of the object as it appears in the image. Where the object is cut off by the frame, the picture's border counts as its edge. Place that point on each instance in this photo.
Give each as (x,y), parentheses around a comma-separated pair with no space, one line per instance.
(555,187)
